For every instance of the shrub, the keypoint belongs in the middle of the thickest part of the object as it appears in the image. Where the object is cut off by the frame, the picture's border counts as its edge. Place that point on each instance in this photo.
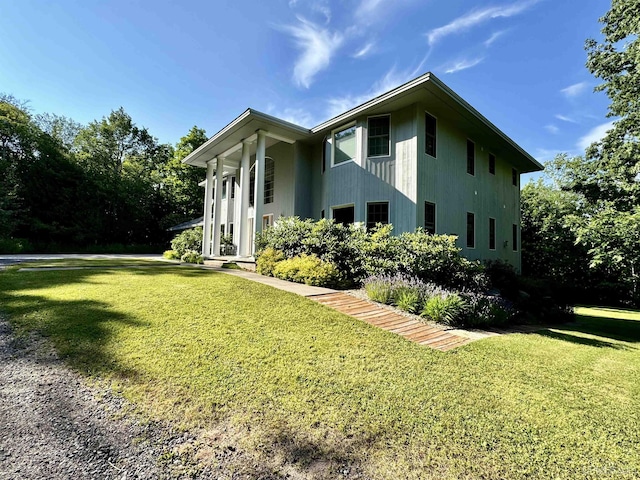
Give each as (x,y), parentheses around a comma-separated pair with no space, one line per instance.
(486,310)
(286,235)
(192,257)
(446,308)
(15,245)
(409,300)
(307,269)
(379,289)
(171,255)
(503,277)
(188,241)
(268,260)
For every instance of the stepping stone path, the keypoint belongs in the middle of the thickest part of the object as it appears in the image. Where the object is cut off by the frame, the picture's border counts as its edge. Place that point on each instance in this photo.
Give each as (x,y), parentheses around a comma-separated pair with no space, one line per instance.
(431,336)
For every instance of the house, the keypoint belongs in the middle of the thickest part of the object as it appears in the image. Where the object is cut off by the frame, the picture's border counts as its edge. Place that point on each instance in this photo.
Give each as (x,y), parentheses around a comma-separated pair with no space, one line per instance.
(416,156)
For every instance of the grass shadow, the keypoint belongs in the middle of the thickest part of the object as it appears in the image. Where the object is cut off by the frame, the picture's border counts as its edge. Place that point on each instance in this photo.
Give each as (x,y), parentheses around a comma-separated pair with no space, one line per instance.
(579,340)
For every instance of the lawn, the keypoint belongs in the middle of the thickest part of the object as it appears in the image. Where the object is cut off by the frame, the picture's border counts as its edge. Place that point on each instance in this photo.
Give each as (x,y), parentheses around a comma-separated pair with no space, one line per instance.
(300,386)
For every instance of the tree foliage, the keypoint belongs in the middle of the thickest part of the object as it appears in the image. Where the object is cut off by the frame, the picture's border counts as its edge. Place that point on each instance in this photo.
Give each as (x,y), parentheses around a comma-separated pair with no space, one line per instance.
(65,185)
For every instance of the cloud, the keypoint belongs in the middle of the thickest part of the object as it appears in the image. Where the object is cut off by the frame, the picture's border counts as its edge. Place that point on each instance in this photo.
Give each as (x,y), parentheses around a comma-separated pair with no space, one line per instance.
(368,8)
(476,17)
(364,50)
(574,90)
(297,116)
(391,80)
(494,36)
(552,129)
(594,135)
(318,46)
(564,118)
(462,64)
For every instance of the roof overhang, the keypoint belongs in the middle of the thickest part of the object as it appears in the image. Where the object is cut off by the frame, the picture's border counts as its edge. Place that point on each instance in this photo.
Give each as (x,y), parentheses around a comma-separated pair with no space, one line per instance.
(244,128)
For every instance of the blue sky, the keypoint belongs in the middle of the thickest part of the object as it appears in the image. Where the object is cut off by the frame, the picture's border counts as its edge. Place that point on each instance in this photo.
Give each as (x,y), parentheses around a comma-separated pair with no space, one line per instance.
(175,64)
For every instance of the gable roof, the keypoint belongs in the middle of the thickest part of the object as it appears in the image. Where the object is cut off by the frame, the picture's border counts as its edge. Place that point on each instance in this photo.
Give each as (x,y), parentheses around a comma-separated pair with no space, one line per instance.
(442,99)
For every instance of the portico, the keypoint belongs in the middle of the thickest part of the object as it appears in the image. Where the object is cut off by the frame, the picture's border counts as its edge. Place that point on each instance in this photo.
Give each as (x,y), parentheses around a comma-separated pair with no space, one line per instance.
(235,199)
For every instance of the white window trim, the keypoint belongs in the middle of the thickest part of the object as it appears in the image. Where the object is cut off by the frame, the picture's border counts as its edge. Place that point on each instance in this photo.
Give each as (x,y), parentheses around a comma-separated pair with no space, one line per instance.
(336,207)
(388,115)
(366,210)
(333,144)
(268,216)
(424,130)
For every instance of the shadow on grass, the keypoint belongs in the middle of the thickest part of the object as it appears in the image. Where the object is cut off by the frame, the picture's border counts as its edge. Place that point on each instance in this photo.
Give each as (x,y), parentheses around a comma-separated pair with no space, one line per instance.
(610,330)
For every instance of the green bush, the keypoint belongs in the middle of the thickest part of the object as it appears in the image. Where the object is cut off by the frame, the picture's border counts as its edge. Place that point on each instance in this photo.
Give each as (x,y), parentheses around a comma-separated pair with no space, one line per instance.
(171,255)
(188,241)
(409,300)
(15,245)
(447,308)
(485,310)
(267,261)
(192,257)
(307,269)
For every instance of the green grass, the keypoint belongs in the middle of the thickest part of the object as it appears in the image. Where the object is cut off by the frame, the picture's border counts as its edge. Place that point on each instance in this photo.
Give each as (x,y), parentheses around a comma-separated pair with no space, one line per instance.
(297,380)
(95,262)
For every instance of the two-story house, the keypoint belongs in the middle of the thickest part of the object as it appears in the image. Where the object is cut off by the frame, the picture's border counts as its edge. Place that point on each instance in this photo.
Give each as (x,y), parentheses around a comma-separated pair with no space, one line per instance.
(416,156)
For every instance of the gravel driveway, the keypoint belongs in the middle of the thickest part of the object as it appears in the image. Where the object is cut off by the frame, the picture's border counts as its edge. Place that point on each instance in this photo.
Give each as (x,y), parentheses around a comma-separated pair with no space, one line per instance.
(52,425)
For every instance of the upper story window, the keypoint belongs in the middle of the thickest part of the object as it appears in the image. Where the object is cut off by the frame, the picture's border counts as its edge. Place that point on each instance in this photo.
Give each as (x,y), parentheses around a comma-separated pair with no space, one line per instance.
(430,135)
(514,177)
(378,139)
(492,164)
(269,179)
(344,145)
(471,157)
(224,189)
(233,187)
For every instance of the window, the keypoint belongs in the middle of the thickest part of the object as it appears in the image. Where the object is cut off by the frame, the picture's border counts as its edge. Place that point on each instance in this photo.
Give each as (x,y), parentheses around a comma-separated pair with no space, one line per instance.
(492,164)
(233,187)
(377,212)
(514,177)
(222,230)
(492,234)
(269,175)
(231,230)
(224,189)
(344,215)
(430,135)
(471,230)
(515,237)
(267,221)
(344,142)
(430,217)
(471,157)
(378,137)
(322,213)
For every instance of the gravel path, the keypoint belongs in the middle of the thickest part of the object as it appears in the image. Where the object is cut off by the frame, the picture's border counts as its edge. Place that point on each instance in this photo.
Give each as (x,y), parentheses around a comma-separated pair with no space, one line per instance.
(52,425)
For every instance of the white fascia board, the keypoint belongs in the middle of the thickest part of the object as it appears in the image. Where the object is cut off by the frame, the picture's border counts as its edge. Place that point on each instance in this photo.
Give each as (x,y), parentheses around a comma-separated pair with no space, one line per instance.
(372,103)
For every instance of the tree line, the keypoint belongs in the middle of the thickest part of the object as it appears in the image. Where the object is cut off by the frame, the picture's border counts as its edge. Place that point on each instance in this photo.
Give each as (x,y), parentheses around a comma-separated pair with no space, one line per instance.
(108,185)
(581,224)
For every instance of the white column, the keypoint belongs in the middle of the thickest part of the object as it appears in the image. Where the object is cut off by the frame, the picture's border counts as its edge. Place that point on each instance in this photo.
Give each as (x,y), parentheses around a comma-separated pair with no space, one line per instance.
(206,234)
(242,219)
(259,187)
(217,206)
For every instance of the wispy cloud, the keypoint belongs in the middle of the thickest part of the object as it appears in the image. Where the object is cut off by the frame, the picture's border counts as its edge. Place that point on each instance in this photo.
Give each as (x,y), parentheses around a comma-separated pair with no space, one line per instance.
(392,79)
(298,116)
(552,129)
(317,44)
(594,135)
(564,118)
(494,36)
(364,50)
(575,89)
(462,64)
(367,9)
(476,17)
